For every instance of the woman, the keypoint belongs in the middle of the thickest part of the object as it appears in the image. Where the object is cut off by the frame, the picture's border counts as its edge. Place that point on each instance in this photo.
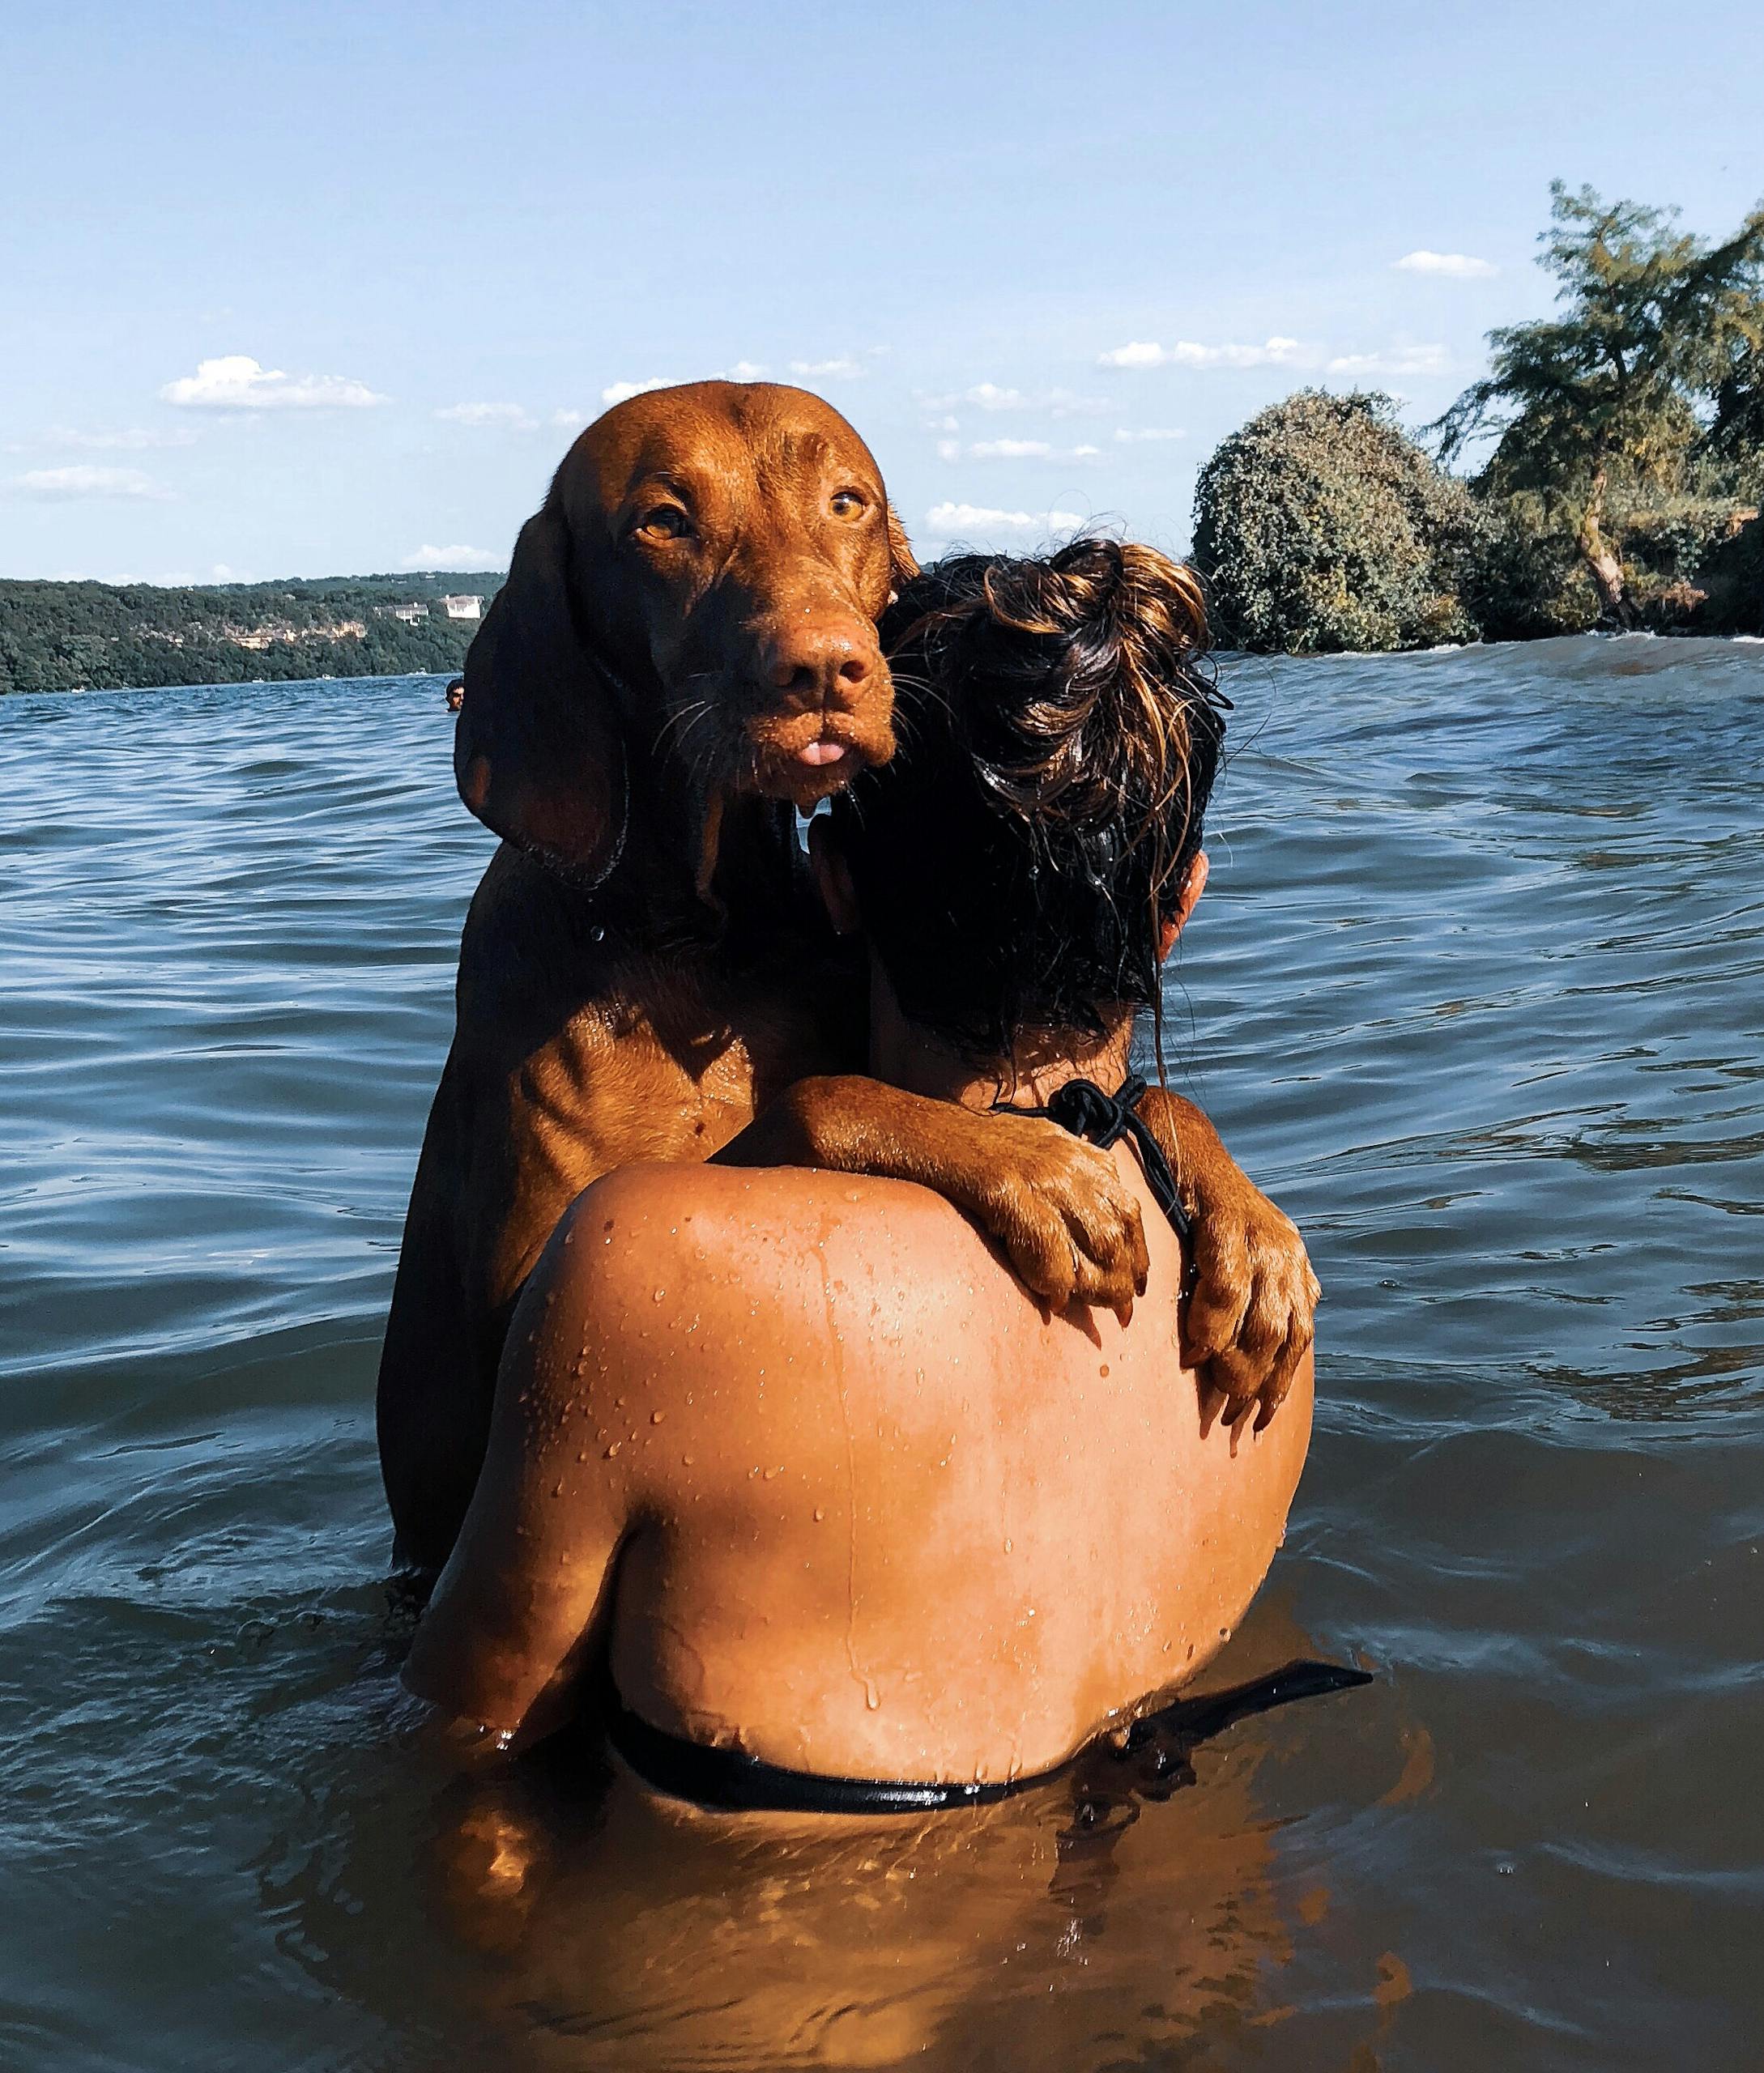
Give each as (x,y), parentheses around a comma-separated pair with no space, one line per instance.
(789,1475)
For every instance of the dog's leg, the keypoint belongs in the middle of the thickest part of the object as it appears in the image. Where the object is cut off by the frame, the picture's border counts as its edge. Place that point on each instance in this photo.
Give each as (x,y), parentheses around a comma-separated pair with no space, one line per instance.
(1071,1229)
(437,1378)
(1251,1318)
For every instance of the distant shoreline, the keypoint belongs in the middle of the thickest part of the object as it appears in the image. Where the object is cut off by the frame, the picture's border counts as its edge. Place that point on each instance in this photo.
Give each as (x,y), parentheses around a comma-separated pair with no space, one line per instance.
(106,637)
(1234,657)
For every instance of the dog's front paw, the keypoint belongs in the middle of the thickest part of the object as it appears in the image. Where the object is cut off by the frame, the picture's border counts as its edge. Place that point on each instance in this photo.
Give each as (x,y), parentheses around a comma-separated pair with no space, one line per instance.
(1252,1316)
(1061,1210)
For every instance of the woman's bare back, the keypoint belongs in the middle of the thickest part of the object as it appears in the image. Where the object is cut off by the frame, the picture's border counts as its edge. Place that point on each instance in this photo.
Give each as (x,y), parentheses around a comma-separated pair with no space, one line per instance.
(801,1460)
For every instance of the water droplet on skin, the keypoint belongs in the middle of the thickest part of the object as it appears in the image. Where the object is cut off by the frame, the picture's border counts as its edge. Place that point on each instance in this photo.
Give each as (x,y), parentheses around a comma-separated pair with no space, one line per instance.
(657,1416)
(685,1461)
(614,1449)
(770,1473)
(820,1513)
(1007,1548)
(872,1698)
(558,1490)
(659,1296)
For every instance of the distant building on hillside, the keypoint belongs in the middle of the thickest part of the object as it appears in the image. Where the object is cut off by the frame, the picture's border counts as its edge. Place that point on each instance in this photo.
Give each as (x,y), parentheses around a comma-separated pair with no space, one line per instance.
(410,614)
(463,607)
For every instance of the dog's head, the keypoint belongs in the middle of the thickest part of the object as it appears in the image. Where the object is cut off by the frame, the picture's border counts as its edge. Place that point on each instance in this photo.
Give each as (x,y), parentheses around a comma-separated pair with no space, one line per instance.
(701,587)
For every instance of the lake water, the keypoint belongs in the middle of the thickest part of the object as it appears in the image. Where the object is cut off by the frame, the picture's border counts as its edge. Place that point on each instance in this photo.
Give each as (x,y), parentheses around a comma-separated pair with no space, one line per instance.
(1478,992)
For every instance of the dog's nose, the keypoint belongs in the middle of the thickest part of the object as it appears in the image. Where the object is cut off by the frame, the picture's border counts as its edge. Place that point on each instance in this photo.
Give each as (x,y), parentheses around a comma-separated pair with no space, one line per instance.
(820,662)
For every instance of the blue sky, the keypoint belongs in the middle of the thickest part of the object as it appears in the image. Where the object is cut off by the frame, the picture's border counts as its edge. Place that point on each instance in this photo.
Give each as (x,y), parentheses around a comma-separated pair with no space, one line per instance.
(441,235)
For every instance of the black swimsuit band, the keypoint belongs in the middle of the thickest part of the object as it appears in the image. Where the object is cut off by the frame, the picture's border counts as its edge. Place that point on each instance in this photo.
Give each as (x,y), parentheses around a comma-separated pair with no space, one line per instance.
(729,1781)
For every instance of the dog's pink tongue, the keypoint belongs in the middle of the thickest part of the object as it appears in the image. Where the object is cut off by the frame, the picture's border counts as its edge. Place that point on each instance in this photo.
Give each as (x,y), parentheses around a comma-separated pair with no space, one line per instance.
(816,753)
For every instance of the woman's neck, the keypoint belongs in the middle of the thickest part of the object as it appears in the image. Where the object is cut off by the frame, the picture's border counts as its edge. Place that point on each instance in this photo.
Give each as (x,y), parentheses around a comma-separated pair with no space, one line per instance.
(908,1055)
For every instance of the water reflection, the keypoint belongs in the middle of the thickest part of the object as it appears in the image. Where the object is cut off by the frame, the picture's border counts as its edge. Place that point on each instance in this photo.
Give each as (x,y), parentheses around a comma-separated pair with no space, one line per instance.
(558,1916)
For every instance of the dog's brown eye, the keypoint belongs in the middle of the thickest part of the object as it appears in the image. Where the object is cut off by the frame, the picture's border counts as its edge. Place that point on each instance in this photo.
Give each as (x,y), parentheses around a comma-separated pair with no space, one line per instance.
(847,504)
(667,521)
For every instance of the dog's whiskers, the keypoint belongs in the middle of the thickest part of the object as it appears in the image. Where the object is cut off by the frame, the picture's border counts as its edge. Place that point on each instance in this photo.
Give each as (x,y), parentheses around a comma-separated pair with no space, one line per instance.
(684,719)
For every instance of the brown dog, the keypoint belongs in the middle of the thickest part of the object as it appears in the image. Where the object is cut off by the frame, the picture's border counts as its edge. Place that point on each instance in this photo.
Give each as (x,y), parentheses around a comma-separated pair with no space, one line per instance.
(684,652)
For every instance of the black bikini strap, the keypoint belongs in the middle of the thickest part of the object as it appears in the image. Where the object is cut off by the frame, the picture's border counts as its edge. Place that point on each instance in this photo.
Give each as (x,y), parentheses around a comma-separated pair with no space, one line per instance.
(1081,1107)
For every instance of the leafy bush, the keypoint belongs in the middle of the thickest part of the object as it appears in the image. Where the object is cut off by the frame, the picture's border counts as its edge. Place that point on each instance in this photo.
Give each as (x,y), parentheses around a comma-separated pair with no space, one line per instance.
(1525,578)
(1320,525)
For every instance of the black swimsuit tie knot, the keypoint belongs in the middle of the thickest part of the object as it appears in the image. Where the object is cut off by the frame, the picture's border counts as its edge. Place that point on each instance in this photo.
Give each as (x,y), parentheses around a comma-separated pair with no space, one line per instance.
(1081,1107)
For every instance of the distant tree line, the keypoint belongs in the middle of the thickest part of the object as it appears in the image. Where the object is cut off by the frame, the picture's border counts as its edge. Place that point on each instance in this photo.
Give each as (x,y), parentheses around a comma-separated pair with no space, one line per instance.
(1619,486)
(1622,489)
(105,637)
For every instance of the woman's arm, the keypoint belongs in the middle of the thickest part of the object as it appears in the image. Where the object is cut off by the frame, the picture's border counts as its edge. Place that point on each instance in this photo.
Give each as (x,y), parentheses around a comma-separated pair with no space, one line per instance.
(521,1609)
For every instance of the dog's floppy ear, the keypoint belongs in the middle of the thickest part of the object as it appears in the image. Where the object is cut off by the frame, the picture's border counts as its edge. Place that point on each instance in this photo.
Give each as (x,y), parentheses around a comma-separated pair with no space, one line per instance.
(903,565)
(539,755)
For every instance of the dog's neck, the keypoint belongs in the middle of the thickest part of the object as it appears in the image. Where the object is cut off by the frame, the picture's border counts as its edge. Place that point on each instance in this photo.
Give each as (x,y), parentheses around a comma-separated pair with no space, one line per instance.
(704,878)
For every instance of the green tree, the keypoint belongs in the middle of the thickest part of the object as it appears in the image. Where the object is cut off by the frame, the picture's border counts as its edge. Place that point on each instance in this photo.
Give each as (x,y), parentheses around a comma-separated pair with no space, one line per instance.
(1320,524)
(1644,384)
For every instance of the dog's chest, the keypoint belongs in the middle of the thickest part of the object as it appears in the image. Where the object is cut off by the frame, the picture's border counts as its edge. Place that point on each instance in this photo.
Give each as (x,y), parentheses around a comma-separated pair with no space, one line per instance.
(668,1067)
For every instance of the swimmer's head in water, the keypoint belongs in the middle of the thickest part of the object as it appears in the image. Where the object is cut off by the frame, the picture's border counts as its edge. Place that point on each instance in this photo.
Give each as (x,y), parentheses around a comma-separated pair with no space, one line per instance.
(1018,863)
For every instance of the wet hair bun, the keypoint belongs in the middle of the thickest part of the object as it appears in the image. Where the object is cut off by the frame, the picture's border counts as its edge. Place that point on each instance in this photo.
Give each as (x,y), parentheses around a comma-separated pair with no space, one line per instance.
(1059,735)
(1081,691)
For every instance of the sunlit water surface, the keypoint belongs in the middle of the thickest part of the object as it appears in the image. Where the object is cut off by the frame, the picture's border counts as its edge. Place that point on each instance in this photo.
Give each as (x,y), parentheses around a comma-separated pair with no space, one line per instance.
(1478,991)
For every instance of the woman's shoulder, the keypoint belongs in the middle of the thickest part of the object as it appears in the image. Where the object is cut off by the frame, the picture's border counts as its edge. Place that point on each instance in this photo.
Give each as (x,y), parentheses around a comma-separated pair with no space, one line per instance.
(721,1298)
(719,1215)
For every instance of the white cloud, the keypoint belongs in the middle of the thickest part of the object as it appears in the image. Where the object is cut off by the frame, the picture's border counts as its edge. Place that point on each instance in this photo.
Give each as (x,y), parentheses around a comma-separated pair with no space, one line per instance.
(56,484)
(990,396)
(568,420)
(511,417)
(968,521)
(744,370)
(1139,352)
(1185,352)
(135,439)
(846,367)
(1394,359)
(236,382)
(453,557)
(1125,437)
(1454,265)
(1013,449)
(619,392)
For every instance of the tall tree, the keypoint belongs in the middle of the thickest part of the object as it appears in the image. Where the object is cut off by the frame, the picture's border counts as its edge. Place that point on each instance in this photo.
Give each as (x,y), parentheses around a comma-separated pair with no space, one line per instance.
(1651,365)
